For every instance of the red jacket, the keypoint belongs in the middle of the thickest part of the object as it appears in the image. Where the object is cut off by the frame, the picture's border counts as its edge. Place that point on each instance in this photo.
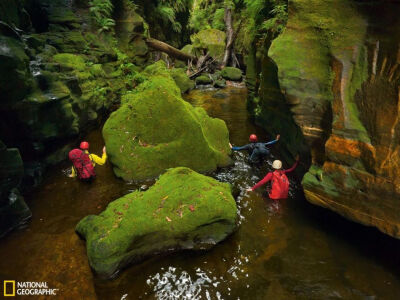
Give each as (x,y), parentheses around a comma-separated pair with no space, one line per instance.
(274,194)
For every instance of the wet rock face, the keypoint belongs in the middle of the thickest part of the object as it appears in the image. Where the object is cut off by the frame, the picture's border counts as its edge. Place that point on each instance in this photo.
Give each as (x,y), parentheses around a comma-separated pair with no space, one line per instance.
(340,82)
(13,209)
(57,77)
(155,129)
(183,210)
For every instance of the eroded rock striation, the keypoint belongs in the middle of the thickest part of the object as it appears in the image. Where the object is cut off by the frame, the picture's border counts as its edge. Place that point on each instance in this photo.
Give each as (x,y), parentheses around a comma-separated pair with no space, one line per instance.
(340,80)
(183,210)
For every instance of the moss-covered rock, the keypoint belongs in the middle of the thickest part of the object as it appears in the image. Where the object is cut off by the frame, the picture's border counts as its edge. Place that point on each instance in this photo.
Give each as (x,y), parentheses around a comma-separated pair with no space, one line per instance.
(183,210)
(70,61)
(57,82)
(182,80)
(155,129)
(15,77)
(210,40)
(203,80)
(231,73)
(131,30)
(220,83)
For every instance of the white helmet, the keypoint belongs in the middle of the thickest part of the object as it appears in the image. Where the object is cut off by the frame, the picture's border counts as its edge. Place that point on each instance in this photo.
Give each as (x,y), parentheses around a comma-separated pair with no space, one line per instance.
(277,164)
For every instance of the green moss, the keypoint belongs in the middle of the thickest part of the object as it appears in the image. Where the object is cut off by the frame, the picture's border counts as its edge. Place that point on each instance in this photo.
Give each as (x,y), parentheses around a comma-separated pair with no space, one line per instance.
(231,73)
(182,80)
(315,179)
(97,70)
(358,74)
(203,79)
(155,129)
(60,15)
(191,50)
(182,210)
(212,40)
(70,61)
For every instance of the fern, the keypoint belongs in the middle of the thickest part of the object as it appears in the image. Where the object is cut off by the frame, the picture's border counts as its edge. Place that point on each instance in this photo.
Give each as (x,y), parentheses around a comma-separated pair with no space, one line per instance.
(101,11)
(277,23)
(165,11)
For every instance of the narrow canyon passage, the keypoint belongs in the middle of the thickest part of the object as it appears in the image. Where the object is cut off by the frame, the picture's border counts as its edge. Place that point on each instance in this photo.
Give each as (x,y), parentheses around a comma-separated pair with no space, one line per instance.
(338,258)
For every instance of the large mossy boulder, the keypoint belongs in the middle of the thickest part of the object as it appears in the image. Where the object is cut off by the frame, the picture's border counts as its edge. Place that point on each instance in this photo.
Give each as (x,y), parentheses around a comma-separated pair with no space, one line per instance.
(231,73)
(209,40)
(155,129)
(183,210)
(182,80)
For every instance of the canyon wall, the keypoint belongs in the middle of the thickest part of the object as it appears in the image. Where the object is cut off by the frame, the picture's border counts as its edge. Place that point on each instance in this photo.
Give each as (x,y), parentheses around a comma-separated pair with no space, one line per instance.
(337,65)
(59,77)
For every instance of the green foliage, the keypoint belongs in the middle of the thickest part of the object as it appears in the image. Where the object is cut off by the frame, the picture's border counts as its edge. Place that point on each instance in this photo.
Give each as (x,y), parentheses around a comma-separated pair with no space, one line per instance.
(101,11)
(218,19)
(165,11)
(277,23)
(205,15)
(253,20)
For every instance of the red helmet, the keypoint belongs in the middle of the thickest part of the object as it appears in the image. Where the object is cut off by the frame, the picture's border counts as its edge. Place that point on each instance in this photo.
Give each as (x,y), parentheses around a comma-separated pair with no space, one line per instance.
(253,138)
(84,146)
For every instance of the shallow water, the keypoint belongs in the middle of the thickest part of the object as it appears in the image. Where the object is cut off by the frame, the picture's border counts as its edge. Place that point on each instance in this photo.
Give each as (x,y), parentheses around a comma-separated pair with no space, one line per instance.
(281,250)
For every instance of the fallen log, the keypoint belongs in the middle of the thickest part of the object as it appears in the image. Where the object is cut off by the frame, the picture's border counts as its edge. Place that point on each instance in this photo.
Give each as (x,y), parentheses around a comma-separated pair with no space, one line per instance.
(168,49)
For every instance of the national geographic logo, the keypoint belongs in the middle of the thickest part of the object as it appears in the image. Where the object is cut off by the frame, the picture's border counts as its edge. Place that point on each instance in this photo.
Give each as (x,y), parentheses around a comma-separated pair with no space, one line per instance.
(11,288)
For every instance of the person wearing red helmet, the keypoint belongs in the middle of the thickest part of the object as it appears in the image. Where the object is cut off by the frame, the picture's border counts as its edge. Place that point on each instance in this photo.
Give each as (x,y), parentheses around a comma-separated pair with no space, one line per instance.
(84,162)
(257,151)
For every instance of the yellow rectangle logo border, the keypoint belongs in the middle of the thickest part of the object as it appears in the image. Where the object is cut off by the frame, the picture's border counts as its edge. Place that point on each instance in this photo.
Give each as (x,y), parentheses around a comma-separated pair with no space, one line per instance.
(5,288)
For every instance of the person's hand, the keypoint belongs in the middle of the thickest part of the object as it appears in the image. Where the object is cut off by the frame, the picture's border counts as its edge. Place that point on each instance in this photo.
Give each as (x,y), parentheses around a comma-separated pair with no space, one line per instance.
(104,149)
(249,190)
(278,137)
(230,145)
(297,157)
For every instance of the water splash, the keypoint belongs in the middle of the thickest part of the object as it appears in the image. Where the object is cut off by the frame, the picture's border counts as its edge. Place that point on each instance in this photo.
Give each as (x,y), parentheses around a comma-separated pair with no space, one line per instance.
(178,284)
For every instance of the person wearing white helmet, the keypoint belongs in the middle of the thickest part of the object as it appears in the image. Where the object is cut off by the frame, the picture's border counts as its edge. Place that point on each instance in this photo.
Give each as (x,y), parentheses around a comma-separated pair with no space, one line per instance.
(280,182)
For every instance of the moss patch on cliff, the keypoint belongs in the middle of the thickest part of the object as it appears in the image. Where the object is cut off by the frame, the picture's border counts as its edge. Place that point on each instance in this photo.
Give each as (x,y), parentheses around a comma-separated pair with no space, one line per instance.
(211,40)
(182,210)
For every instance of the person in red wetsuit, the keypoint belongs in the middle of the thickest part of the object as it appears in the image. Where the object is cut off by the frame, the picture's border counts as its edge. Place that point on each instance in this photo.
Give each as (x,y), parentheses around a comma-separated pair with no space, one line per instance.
(280,182)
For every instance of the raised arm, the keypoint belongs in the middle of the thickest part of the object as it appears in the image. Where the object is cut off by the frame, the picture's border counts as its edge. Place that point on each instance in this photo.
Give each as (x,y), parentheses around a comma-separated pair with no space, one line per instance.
(274,141)
(262,181)
(245,147)
(293,167)
(100,160)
